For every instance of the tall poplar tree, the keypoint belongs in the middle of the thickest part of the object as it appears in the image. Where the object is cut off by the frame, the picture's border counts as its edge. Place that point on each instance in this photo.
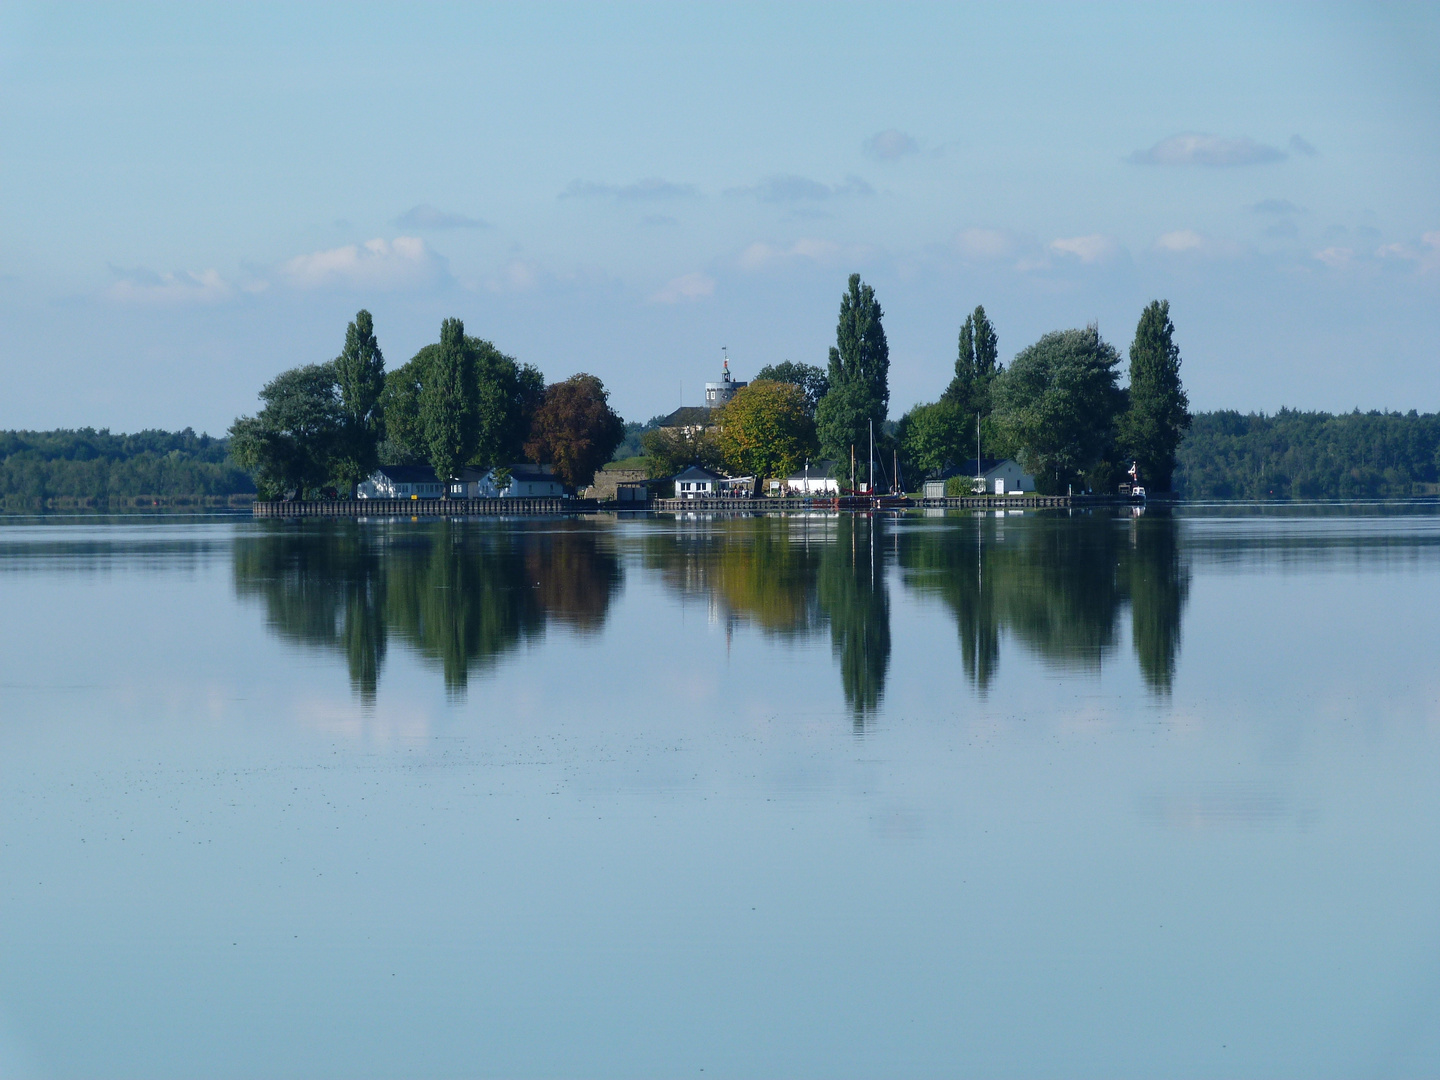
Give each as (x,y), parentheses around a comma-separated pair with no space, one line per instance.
(360,379)
(1159,412)
(859,375)
(976,366)
(447,407)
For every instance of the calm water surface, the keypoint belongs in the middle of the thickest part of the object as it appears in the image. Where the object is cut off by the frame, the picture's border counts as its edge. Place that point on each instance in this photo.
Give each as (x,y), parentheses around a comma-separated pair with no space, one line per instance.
(959,795)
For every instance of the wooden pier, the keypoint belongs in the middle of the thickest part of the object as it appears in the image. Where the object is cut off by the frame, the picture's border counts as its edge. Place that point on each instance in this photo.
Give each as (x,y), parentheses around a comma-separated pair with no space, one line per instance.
(519,506)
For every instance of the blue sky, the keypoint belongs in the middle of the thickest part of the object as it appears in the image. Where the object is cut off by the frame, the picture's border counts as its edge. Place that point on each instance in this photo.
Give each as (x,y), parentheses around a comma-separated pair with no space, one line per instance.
(195,198)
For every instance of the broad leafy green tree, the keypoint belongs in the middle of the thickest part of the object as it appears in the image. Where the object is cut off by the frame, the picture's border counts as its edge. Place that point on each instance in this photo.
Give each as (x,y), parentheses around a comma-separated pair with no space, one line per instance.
(575,429)
(360,376)
(1058,404)
(671,450)
(934,436)
(859,375)
(811,379)
(1159,412)
(289,446)
(766,430)
(447,402)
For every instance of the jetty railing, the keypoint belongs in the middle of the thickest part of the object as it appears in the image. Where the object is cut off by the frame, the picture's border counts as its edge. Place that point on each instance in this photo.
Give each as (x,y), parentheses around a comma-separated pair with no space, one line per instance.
(518,506)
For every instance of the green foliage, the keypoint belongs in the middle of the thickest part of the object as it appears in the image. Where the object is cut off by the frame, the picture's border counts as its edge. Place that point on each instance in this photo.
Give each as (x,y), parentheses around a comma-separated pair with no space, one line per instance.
(1155,422)
(669,450)
(976,365)
(811,379)
(36,466)
(934,436)
(360,376)
(859,375)
(1058,403)
(1307,455)
(448,412)
(632,446)
(575,429)
(766,430)
(459,597)
(288,446)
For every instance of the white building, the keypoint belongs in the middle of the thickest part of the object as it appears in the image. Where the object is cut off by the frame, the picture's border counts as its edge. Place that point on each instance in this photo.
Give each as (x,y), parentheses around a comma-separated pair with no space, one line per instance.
(814,480)
(400,482)
(988,476)
(719,393)
(697,483)
(526,481)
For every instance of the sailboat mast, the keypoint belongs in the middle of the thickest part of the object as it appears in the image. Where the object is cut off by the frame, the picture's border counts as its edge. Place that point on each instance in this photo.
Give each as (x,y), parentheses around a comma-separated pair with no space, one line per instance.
(870,476)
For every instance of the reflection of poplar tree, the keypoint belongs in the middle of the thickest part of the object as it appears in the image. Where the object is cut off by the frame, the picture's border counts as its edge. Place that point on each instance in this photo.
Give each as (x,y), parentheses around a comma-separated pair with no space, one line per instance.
(1159,586)
(851,590)
(954,566)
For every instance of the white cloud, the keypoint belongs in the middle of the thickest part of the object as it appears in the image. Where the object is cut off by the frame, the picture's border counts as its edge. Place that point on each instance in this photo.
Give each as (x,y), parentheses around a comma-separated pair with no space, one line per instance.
(404,263)
(1337,258)
(1180,240)
(1088,249)
(890,145)
(759,255)
(142,286)
(1424,260)
(684,288)
(985,243)
(1211,150)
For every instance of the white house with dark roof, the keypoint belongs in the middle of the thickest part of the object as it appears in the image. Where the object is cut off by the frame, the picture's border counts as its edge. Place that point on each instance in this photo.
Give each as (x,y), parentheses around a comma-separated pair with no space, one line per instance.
(697,483)
(400,482)
(526,481)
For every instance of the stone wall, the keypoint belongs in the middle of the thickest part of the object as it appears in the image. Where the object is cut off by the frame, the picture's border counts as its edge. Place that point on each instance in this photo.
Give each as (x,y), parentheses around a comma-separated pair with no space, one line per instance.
(606,480)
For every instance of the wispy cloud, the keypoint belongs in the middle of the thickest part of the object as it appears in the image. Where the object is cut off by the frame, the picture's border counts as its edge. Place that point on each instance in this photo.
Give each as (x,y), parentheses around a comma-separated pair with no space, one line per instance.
(890,145)
(1337,258)
(142,286)
(685,288)
(1426,257)
(787,188)
(425,216)
(1180,240)
(651,189)
(1275,206)
(1302,146)
(759,255)
(404,263)
(985,243)
(1208,150)
(1094,248)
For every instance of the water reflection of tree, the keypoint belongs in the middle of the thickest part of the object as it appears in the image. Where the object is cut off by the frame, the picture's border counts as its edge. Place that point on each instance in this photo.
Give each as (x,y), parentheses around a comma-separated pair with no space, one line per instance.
(791,577)
(461,594)
(1058,584)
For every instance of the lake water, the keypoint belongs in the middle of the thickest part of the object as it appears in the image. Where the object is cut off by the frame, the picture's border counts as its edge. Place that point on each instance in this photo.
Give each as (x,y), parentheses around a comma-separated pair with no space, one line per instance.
(961,795)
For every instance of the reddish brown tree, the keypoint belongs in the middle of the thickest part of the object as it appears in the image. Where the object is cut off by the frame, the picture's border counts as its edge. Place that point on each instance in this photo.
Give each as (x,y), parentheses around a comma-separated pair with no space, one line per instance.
(575,429)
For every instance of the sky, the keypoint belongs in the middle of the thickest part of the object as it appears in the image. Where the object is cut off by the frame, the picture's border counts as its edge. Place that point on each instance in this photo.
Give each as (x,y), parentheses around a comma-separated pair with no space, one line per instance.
(194,198)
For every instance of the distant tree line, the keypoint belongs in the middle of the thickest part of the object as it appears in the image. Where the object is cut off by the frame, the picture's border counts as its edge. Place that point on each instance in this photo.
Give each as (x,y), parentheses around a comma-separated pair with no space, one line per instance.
(86,464)
(458,402)
(1308,455)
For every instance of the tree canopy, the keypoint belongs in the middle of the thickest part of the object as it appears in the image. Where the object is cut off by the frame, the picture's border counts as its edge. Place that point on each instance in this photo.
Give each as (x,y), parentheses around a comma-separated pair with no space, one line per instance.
(766,430)
(575,429)
(934,436)
(447,402)
(1159,414)
(811,379)
(360,380)
(859,374)
(288,446)
(1058,402)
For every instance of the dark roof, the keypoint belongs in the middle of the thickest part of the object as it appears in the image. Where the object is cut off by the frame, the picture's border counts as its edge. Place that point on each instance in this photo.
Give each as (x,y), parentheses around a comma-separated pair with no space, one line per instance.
(818,470)
(688,416)
(408,474)
(523,471)
(695,472)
